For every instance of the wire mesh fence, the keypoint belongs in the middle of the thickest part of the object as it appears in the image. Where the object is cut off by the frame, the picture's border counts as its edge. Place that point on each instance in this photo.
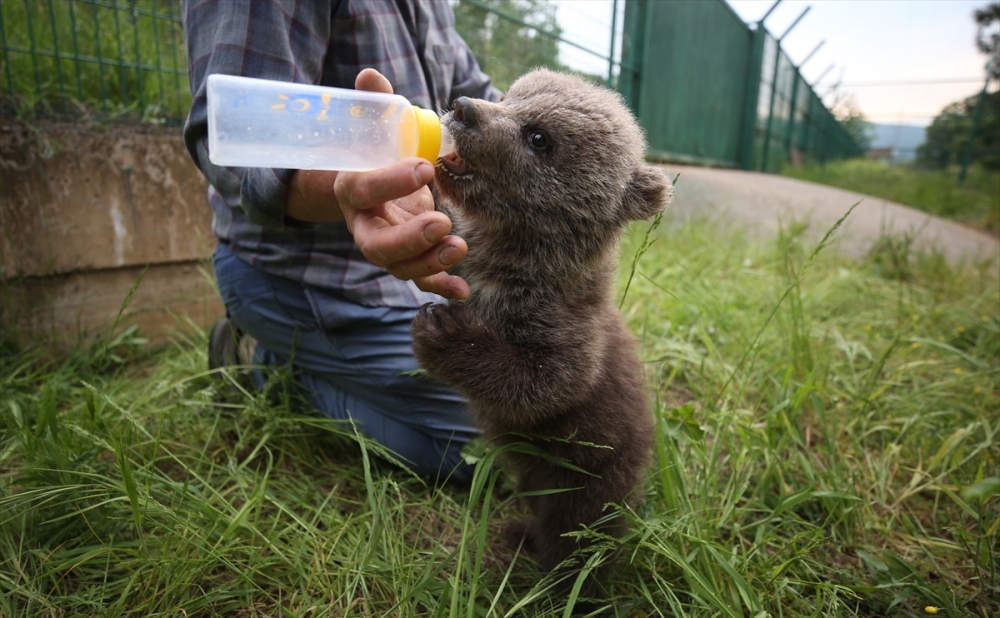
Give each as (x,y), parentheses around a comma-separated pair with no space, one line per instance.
(511,37)
(116,59)
(792,123)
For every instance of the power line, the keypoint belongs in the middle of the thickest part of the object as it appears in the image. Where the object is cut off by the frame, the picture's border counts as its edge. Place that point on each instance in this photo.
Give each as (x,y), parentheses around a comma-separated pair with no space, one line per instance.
(930,82)
(891,115)
(887,116)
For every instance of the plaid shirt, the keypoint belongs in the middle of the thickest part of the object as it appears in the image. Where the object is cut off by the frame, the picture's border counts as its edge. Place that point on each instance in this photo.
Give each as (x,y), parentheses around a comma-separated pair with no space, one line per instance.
(328,42)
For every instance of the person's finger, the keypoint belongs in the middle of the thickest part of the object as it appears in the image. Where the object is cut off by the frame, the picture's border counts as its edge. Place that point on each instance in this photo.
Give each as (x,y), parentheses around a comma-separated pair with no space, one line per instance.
(372,81)
(414,204)
(440,257)
(385,245)
(363,190)
(443,284)
(397,211)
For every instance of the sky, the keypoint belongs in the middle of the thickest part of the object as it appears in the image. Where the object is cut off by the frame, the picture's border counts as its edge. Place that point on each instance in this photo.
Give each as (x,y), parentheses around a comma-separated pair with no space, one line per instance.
(872,45)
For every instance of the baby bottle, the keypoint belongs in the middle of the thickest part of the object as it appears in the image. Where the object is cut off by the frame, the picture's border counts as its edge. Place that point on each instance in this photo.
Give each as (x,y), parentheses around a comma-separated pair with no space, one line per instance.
(264,123)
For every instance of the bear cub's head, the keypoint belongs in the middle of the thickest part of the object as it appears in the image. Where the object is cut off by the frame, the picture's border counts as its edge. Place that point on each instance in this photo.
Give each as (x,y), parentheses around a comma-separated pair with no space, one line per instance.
(556,151)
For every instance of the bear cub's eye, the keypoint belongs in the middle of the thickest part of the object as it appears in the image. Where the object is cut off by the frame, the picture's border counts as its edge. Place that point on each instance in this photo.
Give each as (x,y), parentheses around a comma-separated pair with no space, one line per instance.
(538,141)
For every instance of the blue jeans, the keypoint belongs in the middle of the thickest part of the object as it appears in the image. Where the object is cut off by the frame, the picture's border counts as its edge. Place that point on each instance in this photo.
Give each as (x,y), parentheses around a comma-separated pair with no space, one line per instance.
(351,362)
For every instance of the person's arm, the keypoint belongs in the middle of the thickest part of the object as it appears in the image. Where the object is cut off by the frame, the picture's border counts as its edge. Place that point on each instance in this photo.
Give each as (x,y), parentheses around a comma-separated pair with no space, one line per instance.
(389,211)
(256,39)
(405,236)
(311,197)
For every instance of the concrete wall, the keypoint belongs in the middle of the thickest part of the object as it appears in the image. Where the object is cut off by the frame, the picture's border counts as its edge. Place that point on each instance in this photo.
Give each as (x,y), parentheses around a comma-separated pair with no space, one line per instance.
(82,211)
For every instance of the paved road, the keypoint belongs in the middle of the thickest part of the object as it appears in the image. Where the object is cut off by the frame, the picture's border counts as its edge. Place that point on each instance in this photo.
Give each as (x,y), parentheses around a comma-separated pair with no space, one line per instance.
(760,202)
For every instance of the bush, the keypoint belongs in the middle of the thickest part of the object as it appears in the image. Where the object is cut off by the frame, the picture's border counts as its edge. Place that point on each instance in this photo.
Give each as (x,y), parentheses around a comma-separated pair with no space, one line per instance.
(948,135)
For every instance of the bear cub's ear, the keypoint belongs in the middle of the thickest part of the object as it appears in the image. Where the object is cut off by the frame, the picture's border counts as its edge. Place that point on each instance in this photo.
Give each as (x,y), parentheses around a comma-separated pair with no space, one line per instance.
(647,193)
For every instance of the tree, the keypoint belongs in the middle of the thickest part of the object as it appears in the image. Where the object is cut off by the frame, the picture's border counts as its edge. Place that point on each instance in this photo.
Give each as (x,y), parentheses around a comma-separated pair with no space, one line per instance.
(848,113)
(987,41)
(504,48)
(949,133)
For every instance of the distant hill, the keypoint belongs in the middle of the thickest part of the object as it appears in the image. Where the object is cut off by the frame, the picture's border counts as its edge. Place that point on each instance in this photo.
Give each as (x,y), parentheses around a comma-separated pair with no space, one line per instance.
(905,138)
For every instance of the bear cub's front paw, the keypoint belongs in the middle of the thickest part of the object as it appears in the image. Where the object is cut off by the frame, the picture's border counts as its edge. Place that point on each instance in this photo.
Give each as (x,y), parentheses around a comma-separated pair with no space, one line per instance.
(438,331)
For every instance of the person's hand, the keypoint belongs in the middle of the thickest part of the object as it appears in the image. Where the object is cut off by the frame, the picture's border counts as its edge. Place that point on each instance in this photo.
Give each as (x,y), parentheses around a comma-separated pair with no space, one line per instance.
(391,213)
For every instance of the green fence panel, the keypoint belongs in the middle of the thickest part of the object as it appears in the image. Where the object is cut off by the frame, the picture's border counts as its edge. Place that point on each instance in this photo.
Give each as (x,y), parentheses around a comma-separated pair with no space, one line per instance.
(709,89)
(633,52)
(776,123)
(691,95)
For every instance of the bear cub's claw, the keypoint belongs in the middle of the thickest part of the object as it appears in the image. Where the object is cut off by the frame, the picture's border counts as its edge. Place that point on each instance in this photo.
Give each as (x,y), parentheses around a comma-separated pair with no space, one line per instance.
(440,331)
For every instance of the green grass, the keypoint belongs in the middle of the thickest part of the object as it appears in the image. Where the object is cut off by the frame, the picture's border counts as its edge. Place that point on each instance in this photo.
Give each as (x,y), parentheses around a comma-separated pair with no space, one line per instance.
(827,445)
(976,201)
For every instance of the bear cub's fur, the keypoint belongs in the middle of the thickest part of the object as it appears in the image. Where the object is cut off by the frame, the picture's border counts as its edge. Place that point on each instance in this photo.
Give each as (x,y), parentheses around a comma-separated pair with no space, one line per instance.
(541,187)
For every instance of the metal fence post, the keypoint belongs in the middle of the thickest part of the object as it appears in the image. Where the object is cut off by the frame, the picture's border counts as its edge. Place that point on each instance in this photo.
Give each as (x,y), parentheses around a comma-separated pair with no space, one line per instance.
(774,88)
(752,96)
(795,93)
(6,61)
(770,108)
(76,52)
(792,109)
(611,52)
(34,51)
(633,46)
(100,59)
(754,73)
(58,57)
(807,122)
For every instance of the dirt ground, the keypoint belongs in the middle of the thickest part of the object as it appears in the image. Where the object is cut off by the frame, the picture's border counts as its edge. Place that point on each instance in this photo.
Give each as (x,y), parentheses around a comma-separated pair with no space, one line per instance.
(760,203)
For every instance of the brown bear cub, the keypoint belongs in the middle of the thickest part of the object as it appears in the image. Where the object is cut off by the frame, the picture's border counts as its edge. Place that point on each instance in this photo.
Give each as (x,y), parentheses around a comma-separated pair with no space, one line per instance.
(541,187)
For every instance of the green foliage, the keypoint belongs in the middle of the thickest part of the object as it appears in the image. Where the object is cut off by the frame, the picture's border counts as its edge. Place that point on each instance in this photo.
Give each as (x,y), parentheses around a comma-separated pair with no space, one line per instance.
(976,201)
(853,120)
(988,35)
(504,48)
(948,135)
(827,445)
(114,58)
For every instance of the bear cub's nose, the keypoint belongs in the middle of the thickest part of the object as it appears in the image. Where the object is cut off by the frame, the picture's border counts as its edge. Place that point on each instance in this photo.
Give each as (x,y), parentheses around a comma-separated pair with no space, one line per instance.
(465,111)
